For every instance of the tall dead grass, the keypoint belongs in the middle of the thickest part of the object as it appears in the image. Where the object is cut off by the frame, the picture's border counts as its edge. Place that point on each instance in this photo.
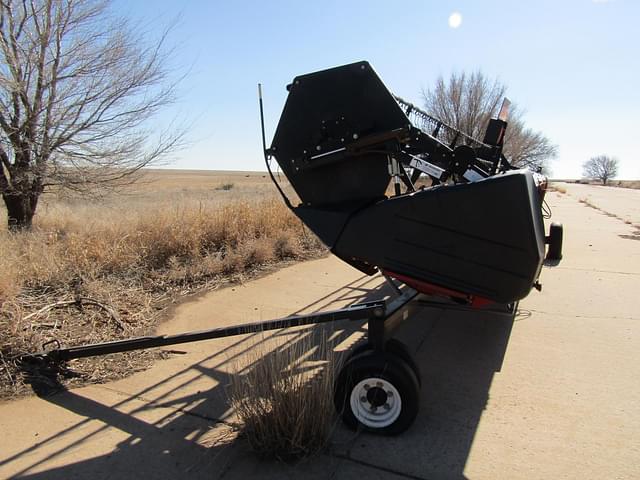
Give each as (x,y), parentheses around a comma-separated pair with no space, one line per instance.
(178,241)
(284,397)
(136,257)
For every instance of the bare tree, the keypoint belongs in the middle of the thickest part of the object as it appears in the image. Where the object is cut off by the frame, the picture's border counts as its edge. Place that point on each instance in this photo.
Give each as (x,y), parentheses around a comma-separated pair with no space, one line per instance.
(467,102)
(600,168)
(77,87)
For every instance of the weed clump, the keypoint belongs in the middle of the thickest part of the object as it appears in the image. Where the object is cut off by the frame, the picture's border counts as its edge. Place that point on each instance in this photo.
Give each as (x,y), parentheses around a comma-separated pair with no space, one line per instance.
(283,398)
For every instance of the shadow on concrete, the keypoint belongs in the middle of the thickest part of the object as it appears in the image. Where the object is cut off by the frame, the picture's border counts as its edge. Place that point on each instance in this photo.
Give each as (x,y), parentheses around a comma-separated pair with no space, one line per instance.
(459,353)
(189,436)
(551,262)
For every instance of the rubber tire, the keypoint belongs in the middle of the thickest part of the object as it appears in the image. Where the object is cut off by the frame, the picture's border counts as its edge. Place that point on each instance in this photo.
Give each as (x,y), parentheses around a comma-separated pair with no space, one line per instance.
(395,347)
(391,368)
(555,242)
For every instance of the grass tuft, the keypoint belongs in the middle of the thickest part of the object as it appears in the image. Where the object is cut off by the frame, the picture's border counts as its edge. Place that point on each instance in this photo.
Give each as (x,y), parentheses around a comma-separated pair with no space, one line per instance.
(284,398)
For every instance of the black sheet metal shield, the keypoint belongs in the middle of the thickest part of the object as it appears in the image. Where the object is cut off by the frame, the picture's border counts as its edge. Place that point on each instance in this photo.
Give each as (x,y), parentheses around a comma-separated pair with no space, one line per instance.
(484,238)
(325,113)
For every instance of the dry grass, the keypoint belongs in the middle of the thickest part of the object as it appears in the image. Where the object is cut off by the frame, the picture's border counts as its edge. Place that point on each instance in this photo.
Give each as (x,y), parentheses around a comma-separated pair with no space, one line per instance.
(284,398)
(553,187)
(136,255)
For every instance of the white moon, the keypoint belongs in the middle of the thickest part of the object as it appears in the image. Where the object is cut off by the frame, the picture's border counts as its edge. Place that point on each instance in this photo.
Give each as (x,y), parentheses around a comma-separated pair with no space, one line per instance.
(455,19)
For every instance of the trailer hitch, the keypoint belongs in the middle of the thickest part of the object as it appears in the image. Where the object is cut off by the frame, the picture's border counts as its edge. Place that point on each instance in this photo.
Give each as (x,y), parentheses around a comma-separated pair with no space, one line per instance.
(48,358)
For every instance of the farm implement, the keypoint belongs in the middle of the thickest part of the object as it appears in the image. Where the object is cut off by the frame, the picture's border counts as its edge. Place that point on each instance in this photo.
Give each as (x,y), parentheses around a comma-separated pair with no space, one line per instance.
(390,189)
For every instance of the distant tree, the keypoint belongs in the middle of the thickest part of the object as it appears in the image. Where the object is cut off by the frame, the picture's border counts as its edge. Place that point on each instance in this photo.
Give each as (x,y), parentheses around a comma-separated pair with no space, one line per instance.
(77,85)
(600,168)
(467,102)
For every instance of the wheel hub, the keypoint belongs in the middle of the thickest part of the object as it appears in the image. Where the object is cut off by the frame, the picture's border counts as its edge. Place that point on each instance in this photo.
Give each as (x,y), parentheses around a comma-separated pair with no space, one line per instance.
(375,402)
(377,396)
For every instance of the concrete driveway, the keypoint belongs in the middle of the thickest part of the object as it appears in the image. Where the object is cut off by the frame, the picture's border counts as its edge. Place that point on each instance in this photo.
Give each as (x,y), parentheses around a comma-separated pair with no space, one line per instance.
(553,394)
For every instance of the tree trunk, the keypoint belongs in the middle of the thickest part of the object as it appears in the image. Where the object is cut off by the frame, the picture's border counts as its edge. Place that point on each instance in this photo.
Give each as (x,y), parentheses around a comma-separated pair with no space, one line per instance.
(21,207)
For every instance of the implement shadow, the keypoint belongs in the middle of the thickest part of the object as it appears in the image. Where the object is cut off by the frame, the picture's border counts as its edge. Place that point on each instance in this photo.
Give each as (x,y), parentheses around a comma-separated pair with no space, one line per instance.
(459,353)
(172,428)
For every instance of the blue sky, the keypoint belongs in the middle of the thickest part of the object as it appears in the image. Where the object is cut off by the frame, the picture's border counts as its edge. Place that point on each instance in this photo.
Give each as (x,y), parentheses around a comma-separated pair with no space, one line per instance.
(572,65)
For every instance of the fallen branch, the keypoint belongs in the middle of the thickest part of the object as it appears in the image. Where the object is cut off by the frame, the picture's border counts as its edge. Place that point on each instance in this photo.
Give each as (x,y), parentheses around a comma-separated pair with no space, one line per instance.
(81,301)
(49,326)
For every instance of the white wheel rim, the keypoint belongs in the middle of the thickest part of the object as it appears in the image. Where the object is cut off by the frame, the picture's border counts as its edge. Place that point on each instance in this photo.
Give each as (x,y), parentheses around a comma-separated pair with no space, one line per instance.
(374,414)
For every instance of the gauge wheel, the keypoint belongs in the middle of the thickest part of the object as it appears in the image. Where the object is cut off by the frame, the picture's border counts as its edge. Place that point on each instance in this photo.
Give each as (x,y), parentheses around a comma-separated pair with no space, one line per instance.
(394,347)
(554,253)
(378,392)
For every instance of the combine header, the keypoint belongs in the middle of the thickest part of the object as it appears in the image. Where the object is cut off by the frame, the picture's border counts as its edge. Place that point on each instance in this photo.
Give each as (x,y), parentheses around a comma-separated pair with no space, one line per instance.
(476,233)
(472,235)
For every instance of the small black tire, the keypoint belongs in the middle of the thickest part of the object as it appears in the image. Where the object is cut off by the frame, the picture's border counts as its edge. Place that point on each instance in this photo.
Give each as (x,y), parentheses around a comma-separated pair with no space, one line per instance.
(394,347)
(378,392)
(554,252)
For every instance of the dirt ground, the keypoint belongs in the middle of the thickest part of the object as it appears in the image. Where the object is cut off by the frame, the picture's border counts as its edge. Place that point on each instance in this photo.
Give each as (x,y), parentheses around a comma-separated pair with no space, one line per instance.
(553,394)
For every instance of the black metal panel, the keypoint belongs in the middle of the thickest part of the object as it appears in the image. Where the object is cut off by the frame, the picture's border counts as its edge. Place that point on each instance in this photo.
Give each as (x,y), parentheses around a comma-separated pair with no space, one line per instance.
(495,132)
(329,111)
(326,224)
(484,238)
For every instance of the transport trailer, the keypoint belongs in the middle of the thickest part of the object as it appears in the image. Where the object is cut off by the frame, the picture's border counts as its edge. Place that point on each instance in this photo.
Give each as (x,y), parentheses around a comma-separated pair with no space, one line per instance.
(383,317)
(378,386)
(474,237)
(473,233)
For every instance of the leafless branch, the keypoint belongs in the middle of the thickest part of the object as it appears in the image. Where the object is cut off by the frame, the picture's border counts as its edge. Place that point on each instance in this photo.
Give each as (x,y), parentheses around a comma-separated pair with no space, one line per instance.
(78,87)
(81,301)
(468,101)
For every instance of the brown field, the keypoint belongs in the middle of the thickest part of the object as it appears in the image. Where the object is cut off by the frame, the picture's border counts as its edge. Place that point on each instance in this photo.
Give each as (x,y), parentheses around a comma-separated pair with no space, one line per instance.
(93,270)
